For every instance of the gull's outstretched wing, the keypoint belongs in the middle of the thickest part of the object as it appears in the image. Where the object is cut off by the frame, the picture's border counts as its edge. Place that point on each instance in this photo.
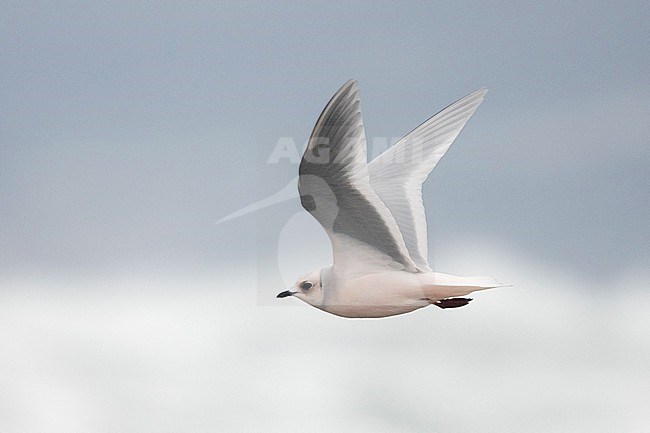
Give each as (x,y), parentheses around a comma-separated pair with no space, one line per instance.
(335,189)
(397,174)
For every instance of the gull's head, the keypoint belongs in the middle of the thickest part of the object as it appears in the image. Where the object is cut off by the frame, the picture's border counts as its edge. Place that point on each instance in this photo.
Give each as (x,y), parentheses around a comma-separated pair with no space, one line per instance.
(308,288)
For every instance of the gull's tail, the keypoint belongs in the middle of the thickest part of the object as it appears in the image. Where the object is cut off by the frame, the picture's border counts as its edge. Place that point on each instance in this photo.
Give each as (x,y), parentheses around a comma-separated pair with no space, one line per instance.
(438,286)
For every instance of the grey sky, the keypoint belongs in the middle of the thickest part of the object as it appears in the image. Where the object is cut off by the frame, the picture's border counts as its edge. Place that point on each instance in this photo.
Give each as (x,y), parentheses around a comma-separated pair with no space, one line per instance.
(127,129)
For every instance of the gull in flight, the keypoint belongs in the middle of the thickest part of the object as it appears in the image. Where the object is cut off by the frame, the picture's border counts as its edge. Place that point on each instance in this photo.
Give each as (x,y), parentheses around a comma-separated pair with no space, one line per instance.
(374,216)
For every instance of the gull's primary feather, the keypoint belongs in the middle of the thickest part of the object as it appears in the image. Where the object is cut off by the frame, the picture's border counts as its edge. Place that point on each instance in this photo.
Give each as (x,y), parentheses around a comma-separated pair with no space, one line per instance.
(398,173)
(335,188)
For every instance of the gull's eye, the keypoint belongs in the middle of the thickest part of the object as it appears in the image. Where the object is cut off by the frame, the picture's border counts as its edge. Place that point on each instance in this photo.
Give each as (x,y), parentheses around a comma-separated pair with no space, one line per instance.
(306,285)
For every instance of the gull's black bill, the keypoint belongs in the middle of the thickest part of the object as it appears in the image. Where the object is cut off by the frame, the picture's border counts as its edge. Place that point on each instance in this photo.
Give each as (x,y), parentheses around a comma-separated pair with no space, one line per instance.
(285,294)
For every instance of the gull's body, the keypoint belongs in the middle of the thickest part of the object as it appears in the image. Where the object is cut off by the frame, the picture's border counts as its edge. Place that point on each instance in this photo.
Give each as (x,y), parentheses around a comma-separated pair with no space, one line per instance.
(374,216)
(388,293)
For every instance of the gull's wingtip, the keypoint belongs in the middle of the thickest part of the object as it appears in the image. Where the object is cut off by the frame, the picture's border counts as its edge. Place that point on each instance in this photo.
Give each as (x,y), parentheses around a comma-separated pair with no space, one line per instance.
(481,92)
(352,84)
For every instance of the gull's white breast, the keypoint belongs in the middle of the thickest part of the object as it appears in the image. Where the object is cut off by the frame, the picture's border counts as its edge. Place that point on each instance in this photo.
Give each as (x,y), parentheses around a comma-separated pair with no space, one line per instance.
(379,294)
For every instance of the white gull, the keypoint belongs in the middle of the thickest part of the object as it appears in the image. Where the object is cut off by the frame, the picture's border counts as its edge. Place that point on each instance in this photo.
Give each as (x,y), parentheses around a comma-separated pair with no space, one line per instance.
(374,216)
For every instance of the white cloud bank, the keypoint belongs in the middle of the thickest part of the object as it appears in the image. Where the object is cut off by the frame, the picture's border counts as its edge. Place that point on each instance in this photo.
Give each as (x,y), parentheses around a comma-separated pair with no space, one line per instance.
(150,355)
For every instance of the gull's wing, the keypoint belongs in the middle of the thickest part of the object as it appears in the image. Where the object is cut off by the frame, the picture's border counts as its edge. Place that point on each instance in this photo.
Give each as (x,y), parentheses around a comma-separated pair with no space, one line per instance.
(335,189)
(397,174)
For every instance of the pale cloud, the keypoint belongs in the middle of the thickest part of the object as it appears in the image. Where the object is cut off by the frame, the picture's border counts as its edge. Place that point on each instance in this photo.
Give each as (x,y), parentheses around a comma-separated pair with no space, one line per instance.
(164,354)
